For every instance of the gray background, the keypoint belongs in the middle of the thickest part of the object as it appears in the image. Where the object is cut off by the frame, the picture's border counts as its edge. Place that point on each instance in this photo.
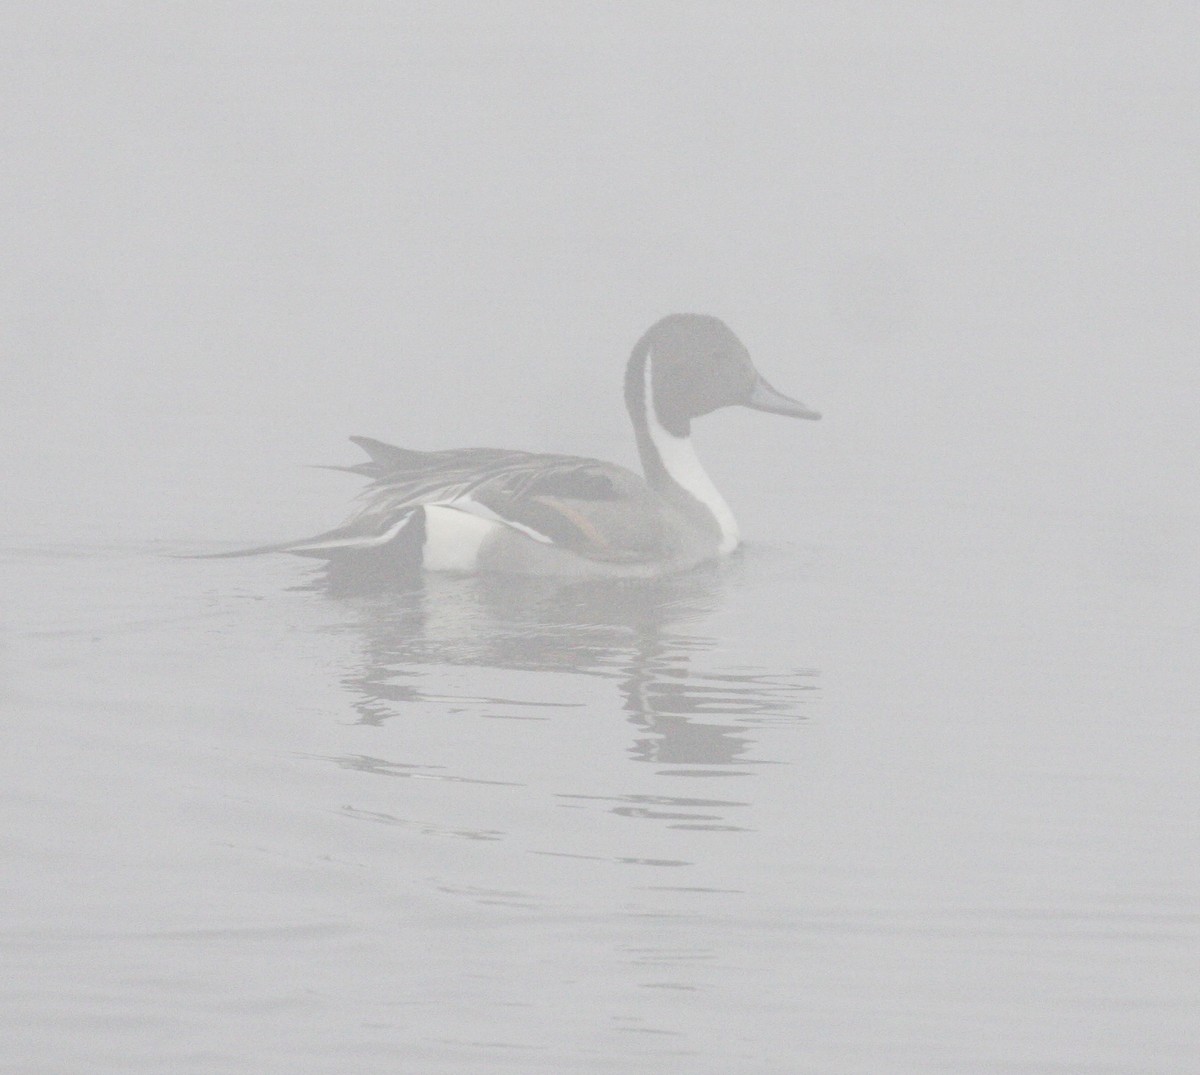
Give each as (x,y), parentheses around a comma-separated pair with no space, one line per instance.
(236,234)
(953,829)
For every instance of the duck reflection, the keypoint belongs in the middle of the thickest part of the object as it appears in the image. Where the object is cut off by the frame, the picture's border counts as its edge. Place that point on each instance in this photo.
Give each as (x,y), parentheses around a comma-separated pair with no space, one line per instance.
(648,639)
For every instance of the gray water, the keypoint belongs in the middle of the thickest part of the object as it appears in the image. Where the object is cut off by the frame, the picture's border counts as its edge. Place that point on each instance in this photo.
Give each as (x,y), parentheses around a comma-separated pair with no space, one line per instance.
(908,785)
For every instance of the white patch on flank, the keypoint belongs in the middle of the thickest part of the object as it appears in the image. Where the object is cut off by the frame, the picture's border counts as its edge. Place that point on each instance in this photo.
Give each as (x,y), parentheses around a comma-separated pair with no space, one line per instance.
(453,538)
(680,460)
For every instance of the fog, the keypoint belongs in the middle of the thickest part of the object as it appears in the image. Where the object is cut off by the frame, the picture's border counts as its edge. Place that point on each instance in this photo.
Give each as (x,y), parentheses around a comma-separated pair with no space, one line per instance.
(959,646)
(234,238)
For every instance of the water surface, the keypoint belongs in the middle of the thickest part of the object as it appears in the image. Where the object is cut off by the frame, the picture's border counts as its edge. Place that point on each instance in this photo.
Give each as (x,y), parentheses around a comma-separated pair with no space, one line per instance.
(817,809)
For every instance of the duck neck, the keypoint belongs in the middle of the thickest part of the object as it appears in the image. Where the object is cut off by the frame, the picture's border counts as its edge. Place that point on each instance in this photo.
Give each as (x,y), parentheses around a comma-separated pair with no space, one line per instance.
(669,460)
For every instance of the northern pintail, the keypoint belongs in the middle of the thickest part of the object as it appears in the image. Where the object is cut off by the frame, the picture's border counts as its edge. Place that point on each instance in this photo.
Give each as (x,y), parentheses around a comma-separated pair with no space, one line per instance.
(494,510)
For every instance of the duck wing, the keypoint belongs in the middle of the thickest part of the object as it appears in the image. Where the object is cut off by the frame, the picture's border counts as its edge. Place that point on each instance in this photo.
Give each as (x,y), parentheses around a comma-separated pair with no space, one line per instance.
(597,510)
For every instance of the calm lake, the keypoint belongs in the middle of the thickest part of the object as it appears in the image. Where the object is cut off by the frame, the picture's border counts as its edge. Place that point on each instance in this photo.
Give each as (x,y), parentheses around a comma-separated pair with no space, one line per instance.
(889,804)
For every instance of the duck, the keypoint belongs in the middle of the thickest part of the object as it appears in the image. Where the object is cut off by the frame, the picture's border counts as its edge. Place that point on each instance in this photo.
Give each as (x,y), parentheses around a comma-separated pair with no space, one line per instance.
(492,510)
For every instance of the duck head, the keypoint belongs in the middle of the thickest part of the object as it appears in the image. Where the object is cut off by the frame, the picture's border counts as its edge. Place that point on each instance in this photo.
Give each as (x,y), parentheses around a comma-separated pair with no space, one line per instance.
(697,365)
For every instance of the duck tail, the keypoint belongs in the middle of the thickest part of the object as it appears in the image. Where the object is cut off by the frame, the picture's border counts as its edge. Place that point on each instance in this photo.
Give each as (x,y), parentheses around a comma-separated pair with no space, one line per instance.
(333,544)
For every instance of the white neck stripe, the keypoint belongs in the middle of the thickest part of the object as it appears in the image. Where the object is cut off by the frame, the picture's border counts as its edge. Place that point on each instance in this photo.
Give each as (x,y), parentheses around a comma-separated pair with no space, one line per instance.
(680,461)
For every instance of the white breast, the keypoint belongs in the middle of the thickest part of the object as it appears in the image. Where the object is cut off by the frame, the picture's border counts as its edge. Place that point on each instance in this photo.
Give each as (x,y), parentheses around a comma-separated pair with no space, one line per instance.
(681,462)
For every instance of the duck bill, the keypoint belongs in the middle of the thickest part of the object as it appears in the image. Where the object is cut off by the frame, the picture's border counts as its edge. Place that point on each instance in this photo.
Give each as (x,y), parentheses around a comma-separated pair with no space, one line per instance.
(764,398)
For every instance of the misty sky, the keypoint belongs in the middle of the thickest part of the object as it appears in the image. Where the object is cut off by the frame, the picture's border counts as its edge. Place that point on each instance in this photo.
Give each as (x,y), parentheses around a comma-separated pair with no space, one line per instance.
(235,234)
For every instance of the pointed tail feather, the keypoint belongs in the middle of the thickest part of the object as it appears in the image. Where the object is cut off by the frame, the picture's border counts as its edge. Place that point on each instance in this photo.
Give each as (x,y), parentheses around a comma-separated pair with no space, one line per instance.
(333,543)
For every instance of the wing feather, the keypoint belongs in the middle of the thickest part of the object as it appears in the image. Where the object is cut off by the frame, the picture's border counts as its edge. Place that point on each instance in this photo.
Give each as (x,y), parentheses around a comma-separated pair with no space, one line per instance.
(581,504)
(598,510)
